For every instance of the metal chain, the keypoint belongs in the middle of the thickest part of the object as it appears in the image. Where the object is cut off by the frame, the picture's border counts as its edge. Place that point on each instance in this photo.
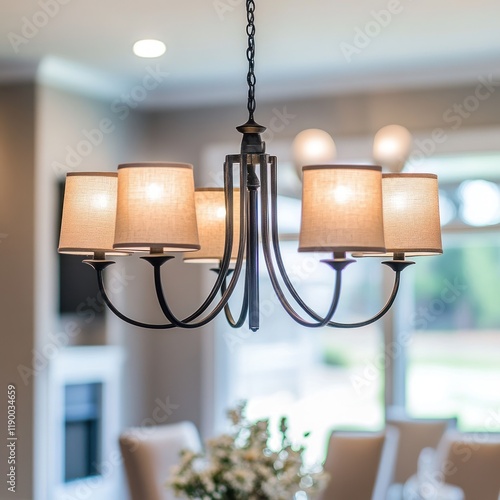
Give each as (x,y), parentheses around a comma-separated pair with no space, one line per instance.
(251,58)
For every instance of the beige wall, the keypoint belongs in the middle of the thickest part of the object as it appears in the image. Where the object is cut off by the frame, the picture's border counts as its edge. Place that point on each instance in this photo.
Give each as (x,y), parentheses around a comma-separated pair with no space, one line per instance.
(158,365)
(17,188)
(185,133)
(37,125)
(63,121)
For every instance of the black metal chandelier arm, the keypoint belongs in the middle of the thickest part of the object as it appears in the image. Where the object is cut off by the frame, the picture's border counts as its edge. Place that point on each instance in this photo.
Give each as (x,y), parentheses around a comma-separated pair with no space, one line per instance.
(281,296)
(275,235)
(275,239)
(313,314)
(244,306)
(321,322)
(398,266)
(228,242)
(162,301)
(381,313)
(99,267)
(217,309)
(157,262)
(225,262)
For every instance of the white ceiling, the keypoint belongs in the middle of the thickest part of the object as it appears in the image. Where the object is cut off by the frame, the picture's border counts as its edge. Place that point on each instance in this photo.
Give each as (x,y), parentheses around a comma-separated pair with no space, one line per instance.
(87,43)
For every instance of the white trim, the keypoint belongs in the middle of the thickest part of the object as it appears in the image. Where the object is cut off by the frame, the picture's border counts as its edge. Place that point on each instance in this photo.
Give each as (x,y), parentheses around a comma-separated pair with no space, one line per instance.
(76,365)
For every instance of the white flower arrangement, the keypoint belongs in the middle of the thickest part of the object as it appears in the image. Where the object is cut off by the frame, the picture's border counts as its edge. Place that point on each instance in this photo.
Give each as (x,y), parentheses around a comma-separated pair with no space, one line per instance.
(241,466)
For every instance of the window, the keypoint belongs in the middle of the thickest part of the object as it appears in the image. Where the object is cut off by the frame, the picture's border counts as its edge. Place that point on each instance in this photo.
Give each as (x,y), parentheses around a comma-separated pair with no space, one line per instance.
(454,348)
(311,376)
(448,308)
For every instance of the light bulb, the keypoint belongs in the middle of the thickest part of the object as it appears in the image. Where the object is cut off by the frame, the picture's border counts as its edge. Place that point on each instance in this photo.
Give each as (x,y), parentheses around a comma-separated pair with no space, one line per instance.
(154,192)
(391,147)
(313,147)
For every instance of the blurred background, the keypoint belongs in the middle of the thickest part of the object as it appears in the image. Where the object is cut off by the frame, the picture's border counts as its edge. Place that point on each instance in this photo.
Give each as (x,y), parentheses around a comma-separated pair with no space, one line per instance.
(74,97)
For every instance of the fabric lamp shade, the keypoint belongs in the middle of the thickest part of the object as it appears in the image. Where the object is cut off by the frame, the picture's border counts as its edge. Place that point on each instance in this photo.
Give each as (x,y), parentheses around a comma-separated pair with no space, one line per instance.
(89,212)
(341,209)
(156,208)
(211,216)
(411,214)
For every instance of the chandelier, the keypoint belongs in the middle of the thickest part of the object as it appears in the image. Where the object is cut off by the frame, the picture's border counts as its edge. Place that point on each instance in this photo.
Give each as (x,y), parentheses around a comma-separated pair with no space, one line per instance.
(153,208)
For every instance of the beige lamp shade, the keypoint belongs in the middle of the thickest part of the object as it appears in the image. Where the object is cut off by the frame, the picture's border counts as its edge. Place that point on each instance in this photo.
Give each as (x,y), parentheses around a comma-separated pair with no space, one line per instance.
(341,209)
(411,214)
(89,212)
(155,208)
(211,216)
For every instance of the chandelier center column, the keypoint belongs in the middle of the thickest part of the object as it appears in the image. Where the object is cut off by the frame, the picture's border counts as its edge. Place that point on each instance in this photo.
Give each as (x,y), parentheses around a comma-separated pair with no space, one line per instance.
(252,153)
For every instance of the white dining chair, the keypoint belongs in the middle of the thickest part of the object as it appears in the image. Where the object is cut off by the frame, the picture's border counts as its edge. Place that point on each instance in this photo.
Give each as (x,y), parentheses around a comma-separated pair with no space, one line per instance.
(471,462)
(360,465)
(149,453)
(414,436)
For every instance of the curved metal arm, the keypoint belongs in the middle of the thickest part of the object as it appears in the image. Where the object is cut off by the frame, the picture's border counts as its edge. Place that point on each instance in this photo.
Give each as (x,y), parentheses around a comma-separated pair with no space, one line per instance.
(283,300)
(275,238)
(396,265)
(228,241)
(380,314)
(337,266)
(183,323)
(99,267)
(226,294)
(244,306)
(158,261)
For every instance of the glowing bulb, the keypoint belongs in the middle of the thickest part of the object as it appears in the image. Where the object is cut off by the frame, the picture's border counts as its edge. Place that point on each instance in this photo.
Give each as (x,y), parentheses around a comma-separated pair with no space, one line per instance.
(100,201)
(149,48)
(399,202)
(342,194)
(313,147)
(220,213)
(391,147)
(154,192)
(388,146)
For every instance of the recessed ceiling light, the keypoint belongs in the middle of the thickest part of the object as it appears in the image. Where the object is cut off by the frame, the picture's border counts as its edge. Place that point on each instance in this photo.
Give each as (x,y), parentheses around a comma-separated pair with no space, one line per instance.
(149,48)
